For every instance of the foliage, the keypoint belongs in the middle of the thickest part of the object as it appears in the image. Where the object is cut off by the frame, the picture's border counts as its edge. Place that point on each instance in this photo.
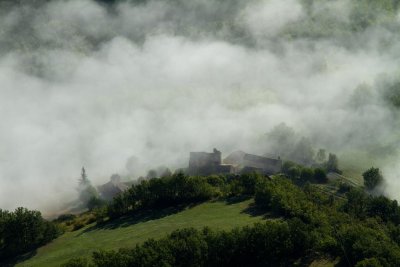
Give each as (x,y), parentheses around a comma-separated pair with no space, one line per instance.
(303,152)
(372,178)
(64,218)
(95,202)
(321,155)
(284,198)
(303,174)
(270,243)
(136,228)
(358,228)
(307,174)
(180,189)
(23,230)
(333,164)
(320,175)
(88,195)
(370,262)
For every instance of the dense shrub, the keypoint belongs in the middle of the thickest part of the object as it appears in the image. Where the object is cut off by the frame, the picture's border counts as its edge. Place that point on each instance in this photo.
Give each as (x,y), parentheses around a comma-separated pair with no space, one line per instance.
(164,192)
(362,205)
(320,175)
(372,178)
(362,241)
(307,174)
(23,230)
(284,198)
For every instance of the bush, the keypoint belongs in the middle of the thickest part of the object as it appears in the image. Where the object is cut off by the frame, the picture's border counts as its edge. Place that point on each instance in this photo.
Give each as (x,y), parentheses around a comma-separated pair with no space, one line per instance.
(320,175)
(65,217)
(284,198)
(286,167)
(95,202)
(307,174)
(78,225)
(23,230)
(332,164)
(372,178)
(344,188)
(294,172)
(363,242)
(163,192)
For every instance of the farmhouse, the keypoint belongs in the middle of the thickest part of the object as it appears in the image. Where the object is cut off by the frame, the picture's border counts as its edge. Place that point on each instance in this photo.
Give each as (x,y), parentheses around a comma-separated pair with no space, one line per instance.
(203,163)
(248,162)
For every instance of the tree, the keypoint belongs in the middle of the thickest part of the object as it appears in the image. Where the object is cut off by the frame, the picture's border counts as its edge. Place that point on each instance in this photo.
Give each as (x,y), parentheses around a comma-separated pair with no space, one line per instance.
(307,174)
(151,174)
(332,164)
(294,172)
(287,165)
(24,230)
(281,140)
(83,180)
(372,178)
(87,192)
(321,155)
(320,175)
(303,151)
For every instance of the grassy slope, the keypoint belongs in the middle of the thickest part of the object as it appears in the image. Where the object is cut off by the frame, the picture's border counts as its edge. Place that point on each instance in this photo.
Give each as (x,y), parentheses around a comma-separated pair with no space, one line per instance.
(127,233)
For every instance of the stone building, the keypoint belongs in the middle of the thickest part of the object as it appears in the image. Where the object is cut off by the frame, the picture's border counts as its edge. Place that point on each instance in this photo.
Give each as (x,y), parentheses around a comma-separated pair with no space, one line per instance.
(203,163)
(244,162)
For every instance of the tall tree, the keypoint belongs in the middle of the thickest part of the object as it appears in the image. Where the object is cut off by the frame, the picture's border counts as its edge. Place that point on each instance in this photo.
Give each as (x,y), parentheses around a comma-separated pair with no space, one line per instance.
(333,163)
(87,192)
(372,178)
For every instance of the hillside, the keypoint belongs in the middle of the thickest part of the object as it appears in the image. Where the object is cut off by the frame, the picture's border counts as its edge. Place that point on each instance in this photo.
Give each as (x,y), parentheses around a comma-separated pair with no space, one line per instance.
(128,232)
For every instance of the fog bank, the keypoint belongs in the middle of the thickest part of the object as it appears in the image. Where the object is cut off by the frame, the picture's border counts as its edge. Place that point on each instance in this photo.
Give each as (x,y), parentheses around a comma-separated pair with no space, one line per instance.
(88,84)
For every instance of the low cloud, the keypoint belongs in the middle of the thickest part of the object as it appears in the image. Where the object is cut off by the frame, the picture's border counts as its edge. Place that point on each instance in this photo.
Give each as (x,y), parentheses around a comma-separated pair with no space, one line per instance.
(83,84)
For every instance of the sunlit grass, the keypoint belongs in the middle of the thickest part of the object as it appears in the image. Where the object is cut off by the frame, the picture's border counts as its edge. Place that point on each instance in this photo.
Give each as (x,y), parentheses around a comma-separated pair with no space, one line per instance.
(127,233)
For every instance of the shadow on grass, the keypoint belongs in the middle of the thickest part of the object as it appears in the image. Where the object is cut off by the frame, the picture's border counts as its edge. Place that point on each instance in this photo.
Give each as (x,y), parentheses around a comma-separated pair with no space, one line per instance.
(138,217)
(255,211)
(18,259)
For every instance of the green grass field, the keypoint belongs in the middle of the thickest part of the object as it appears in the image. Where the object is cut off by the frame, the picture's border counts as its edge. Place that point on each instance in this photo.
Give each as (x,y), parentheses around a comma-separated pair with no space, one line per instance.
(128,232)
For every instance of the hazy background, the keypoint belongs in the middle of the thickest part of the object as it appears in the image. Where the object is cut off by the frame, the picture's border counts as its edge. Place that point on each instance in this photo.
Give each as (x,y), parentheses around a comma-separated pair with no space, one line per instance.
(83,83)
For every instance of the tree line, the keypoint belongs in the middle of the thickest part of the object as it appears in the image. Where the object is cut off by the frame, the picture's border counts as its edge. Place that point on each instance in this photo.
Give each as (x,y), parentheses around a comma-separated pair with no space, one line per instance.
(23,230)
(179,189)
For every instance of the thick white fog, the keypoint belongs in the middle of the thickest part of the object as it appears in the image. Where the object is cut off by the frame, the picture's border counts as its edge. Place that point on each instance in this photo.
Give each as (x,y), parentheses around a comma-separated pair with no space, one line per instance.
(85,84)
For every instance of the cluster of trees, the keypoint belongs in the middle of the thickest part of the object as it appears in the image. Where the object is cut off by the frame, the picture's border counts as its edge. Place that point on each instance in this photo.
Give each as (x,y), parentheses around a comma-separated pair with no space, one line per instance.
(360,229)
(288,144)
(179,189)
(88,195)
(24,230)
(362,205)
(303,174)
(372,178)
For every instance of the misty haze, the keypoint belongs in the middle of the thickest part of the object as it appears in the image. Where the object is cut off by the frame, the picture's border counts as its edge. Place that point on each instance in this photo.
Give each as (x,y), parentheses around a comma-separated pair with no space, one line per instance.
(82,84)
(127,89)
